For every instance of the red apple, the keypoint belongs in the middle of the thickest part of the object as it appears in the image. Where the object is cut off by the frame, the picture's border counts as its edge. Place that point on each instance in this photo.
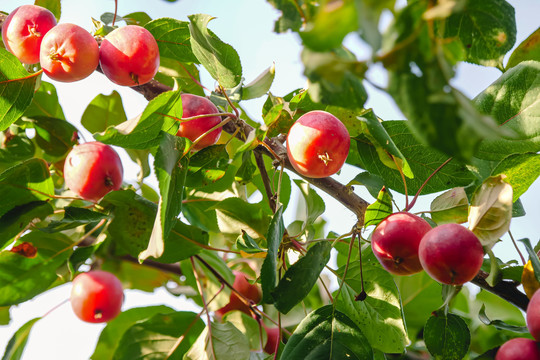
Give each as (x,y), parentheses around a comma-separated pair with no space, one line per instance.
(451,254)
(96,296)
(93,169)
(318,144)
(244,287)
(533,316)
(69,53)
(395,242)
(24,29)
(519,349)
(193,105)
(129,56)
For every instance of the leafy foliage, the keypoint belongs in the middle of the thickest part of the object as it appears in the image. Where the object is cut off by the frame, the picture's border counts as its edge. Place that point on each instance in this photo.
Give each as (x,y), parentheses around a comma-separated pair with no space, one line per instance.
(192,221)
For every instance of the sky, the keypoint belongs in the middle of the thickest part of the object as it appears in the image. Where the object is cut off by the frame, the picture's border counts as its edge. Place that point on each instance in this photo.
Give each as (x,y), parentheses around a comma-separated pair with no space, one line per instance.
(246,25)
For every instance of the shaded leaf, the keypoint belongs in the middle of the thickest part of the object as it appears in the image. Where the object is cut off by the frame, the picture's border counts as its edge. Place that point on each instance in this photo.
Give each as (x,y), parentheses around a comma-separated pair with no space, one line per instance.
(300,277)
(15,220)
(513,101)
(74,217)
(491,210)
(157,336)
(22,278)
(269,267)
(170,167)
(498,324)
(225,341)
(426,160)
(45,103)
(327,334)
(450,207)
(447,337)
(111,334)
(55,137)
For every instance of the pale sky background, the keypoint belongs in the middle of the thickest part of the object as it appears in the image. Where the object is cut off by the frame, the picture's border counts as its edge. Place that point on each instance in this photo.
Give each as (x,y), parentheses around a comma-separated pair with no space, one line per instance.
(246,25)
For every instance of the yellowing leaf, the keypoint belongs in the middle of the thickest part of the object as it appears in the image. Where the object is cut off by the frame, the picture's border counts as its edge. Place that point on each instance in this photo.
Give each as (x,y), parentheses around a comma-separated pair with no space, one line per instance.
(491,210)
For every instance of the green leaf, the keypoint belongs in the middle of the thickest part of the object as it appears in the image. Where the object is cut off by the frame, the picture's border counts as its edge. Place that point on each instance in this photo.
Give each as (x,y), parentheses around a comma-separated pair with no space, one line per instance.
(103,111)
(45,103)
(533,257)
(314,204)
(326,30)
(369,13)
(173,39)
(55,137)
(16,219)
(17,343)
(26,182)
(269,267)
(53,5)
(447,337)
(171,168)
(381,311)
(133,220)
(498,324)
(450,207)
(22,278)
(16,89)
(141,158)
(490,212)
(327,333)
(156,337)
(174,73)
(372,183)
(144,131)
(529,49)
(379,210)
(420,295)
(225,341)
(290,18)
(385,146)
(111,334)
(248,326)
(486,30)
(219,58)
(513,101)
(207,166)
(4,315)
(426,160)
(74,217)
(300,278)
(335,78)
(247,244)
(234,215)
(15,149)
(521,171)
(261,85)
(278,121)
(137,18)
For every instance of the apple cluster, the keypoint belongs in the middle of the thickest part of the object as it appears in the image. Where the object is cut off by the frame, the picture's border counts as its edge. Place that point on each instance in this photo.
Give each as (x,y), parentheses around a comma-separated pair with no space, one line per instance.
(406,244)
(128,56)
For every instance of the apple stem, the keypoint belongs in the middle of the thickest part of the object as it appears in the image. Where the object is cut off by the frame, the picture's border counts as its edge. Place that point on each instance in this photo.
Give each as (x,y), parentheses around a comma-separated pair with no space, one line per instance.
(351,245)
(362,296)
(403,180)
(55,307)
(517,248)
(409,207)
(205,307)
(224,92)
(115,12)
